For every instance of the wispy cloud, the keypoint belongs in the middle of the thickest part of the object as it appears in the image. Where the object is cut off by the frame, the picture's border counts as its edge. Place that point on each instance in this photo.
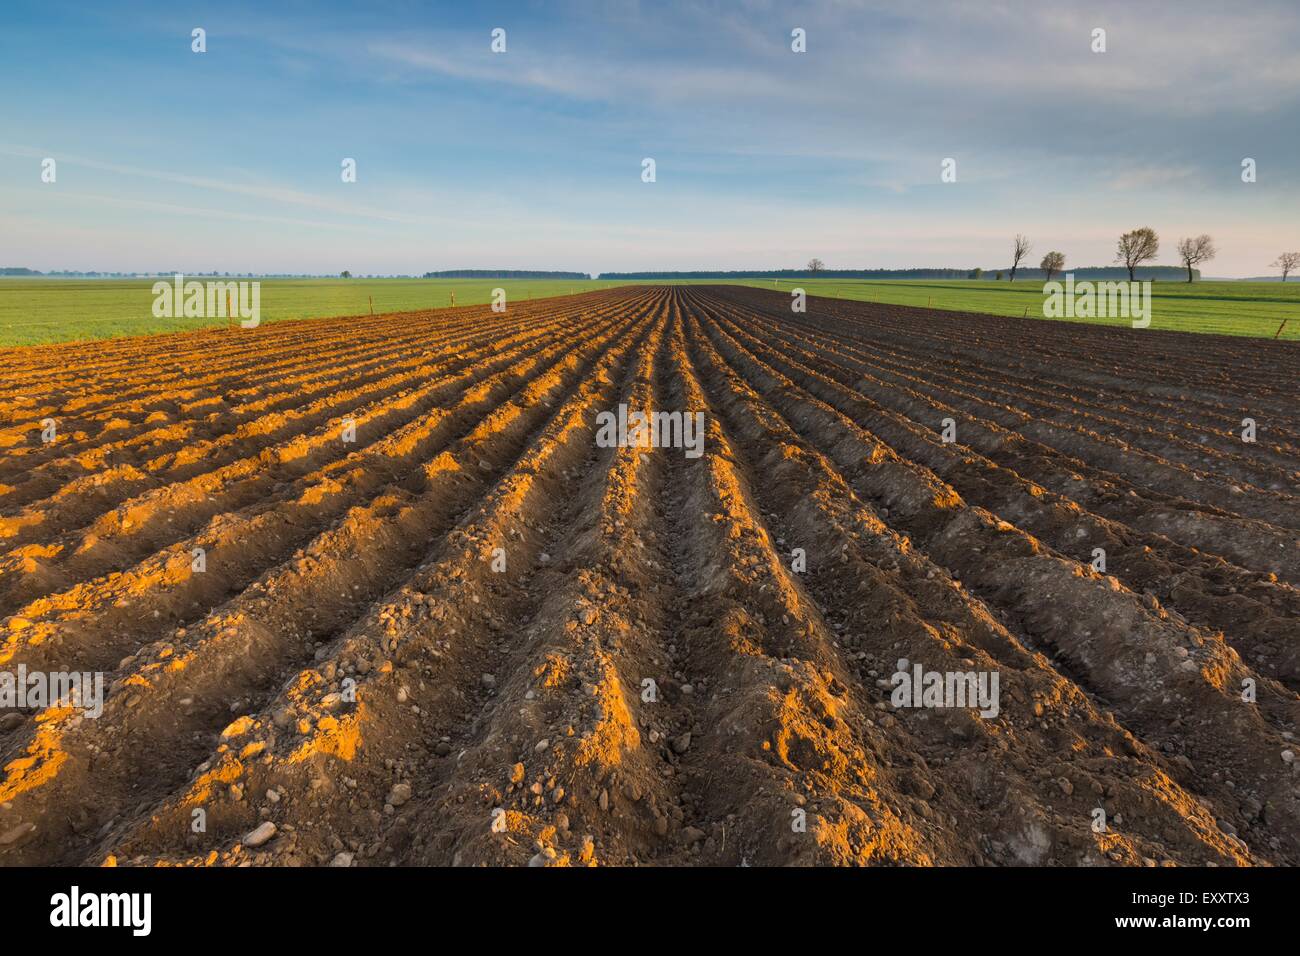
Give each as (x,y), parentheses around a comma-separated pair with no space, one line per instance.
(590,78)
(280,195)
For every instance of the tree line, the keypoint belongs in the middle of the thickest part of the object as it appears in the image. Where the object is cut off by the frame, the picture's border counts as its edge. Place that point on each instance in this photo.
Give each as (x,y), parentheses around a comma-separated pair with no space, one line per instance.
(1143,245)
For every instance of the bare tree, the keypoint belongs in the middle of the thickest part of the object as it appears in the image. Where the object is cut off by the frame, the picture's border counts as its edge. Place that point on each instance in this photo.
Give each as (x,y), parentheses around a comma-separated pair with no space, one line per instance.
(1286,262)
(1196,250)
(1136,247)
(1018,252)
(1052,263)
(816,265)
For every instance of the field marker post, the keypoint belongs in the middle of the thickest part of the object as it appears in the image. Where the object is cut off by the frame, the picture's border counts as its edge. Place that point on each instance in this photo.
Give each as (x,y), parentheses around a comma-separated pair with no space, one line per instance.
(1281,327)
(372,304)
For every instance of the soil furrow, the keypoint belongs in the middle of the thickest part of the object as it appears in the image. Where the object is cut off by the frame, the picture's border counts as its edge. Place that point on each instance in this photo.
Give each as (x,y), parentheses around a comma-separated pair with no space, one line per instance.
(888,603)
(422,648)
(1137,660)
(1257,616)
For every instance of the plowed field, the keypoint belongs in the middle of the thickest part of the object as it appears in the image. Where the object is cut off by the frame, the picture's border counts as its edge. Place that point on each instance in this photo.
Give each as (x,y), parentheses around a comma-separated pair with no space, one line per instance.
(472,634)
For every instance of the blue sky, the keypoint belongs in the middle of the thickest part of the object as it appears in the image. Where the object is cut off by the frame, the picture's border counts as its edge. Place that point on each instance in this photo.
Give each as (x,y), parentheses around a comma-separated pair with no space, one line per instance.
(230,159)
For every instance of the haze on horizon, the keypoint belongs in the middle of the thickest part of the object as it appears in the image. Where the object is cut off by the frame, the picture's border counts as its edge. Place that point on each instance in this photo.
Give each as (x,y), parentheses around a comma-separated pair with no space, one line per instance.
(229,160)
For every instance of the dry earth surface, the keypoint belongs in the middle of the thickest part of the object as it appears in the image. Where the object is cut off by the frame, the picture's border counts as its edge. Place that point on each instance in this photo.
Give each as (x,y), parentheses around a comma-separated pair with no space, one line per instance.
(352,680)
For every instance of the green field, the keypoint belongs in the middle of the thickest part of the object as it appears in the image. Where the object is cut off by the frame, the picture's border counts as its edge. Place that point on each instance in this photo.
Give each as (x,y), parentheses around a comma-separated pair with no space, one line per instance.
(36,311)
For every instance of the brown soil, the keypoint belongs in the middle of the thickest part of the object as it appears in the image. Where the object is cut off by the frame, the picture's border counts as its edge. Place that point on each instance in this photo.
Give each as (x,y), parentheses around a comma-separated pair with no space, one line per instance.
(653,679)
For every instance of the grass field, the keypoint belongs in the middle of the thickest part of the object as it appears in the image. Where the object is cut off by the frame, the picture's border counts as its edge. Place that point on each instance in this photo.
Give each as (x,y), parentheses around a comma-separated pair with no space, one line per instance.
(36,311)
